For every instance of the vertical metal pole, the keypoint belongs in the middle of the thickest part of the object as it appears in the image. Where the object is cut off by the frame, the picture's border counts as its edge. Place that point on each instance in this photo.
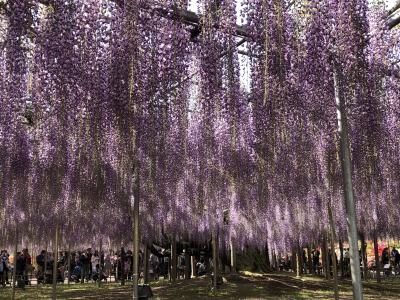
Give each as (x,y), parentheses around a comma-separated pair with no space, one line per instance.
(348,189)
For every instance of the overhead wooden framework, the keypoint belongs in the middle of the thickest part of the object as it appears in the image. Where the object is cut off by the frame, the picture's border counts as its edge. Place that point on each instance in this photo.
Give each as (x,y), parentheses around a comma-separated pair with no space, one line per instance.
(395,7)
(191,18)
(394,16)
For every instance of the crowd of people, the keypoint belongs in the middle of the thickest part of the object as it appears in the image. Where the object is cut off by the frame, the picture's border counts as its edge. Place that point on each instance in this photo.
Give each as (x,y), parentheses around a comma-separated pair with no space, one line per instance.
(79,266)
(88,266)
(23,266)
(93,265)
(389,262)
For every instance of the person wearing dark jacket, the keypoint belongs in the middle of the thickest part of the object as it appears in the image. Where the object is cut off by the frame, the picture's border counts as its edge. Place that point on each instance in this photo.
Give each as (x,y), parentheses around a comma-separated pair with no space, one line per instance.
(4,265)
(385,256)
(20,269)
(83,260)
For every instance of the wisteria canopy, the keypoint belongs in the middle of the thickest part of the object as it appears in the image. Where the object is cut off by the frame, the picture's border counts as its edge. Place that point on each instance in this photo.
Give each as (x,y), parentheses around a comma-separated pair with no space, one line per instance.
(103,101)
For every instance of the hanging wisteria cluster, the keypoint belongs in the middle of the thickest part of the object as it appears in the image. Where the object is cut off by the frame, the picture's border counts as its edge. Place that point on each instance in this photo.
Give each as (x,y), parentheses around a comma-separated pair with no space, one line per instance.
(102,98)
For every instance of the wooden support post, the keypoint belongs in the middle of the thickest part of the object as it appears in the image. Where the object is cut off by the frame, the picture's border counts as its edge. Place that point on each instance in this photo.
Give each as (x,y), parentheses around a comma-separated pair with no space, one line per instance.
(55,265)
(298,262)
(325,257)
(233,255)
(267,260)
(348,186)
(333,253)
(173,259)
(293,260)
(341,258)
(136,232)
(83,273)
(377,261)
(274,261)
(323,260)
(146,256)
(123,257)
(45,263)
(218,255)
(309,259)
(14,273)
(334,268)
(215,261)
(116,271)
(69,263)
(100,264)
(193,265)
(364,257)
(187,265)
(328,258)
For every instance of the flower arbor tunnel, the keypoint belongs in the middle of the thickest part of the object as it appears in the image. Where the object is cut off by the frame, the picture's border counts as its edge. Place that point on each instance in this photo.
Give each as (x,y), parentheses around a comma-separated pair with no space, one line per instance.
(148,122)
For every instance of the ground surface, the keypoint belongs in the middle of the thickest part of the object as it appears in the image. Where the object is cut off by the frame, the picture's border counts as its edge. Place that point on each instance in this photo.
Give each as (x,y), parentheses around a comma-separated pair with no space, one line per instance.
(243,286)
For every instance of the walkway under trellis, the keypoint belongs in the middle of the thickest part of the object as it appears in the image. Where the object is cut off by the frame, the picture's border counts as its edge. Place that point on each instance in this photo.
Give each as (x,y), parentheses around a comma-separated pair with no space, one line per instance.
(195,22)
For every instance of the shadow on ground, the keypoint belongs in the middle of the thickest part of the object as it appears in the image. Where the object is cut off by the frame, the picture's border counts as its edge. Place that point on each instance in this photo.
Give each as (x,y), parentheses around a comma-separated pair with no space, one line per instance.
(249,286)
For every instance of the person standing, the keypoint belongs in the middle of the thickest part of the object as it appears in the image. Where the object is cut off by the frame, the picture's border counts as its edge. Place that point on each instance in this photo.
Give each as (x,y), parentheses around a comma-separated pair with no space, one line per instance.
(40,261)
(29,267)
(1,270)
(95,263)
(121,265)
(181,265)
(108,265)
(304,255)
(4,265)
(84,266)
(385,257)
(396,257)
(89,266)
(129,264)
(20,270)
(153,267)
(346,260)
(315,258)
